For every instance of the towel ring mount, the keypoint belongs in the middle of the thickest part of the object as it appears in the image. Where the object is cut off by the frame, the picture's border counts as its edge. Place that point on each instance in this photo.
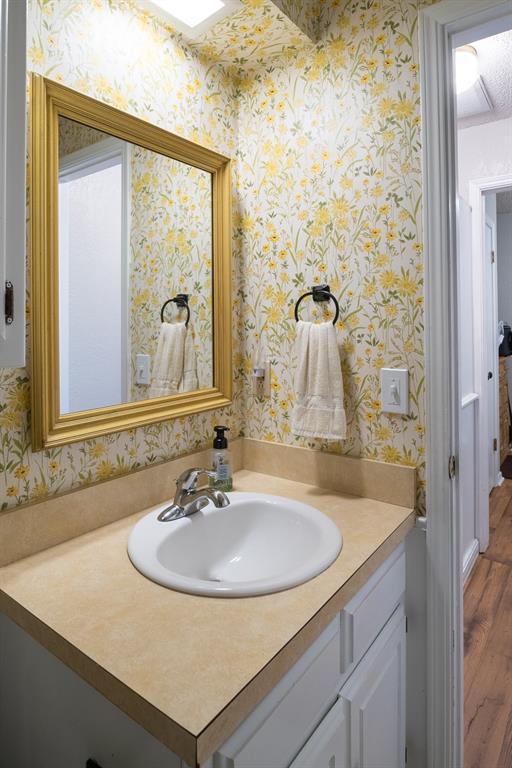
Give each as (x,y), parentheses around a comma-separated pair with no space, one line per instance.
(319,293)
(181,301)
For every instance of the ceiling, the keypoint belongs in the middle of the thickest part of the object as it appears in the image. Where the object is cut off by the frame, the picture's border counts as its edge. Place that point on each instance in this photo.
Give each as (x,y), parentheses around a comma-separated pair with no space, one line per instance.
(504,202)
(495,59)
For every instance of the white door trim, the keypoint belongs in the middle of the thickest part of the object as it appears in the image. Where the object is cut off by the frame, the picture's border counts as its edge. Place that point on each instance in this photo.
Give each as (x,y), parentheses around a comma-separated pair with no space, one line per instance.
(438,24)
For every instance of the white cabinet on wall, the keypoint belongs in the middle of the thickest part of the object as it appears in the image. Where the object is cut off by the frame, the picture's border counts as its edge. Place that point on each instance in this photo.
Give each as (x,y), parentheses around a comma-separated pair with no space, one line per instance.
(12,182)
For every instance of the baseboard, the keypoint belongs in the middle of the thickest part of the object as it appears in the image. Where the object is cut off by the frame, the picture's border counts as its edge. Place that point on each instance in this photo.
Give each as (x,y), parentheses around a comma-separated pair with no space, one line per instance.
(470,556)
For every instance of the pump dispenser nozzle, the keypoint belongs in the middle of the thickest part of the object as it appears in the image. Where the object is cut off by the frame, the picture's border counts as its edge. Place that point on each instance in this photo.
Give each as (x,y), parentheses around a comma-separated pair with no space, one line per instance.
(220,440)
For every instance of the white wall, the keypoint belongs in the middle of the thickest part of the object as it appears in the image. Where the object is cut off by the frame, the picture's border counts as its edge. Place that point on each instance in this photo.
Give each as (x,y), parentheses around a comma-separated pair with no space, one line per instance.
(504,231)
(504,260)
(91,301)
(484,150)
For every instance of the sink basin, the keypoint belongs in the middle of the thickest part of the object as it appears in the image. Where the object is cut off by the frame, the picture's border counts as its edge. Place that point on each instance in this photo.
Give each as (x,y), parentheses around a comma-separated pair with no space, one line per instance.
(257,545)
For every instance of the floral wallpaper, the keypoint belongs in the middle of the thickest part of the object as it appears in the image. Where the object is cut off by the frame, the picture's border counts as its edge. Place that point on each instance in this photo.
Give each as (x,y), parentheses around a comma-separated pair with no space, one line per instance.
(327,189)
(330,192)
(74,136)
(113,51)
(171,249)
(306,15)
(251,37)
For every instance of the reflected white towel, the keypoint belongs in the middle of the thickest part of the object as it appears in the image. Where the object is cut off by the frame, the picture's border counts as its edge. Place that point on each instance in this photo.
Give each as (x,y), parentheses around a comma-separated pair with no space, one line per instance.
(318,410)
(189,381)
(169,360)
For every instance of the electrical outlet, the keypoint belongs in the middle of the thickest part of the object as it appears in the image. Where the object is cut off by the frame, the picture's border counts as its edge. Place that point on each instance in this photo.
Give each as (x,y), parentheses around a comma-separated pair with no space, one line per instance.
(143,369)
(261,378)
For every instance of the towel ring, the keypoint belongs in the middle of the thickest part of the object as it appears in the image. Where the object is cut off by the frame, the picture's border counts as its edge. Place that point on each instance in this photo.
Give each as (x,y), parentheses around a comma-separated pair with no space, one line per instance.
(319,293)
(181,301)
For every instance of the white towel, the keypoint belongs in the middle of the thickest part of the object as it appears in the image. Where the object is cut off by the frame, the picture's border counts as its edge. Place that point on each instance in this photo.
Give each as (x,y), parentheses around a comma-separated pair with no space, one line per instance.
(318,410)
(169,360)
(189,381)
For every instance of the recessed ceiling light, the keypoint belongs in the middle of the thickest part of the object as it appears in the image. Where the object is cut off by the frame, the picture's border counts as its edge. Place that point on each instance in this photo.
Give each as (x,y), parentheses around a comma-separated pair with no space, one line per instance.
(192,17)
(467,69)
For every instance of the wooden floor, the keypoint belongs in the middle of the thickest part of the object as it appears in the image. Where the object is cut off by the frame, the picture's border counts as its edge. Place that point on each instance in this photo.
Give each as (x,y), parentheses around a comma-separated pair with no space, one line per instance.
(488,644)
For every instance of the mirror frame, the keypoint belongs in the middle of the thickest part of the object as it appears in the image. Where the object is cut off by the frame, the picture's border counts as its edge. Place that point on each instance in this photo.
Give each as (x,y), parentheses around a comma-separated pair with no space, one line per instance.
(49,101)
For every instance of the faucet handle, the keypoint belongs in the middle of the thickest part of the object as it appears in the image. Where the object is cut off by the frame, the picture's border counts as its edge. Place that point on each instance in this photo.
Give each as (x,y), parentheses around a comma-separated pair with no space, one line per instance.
(187,481)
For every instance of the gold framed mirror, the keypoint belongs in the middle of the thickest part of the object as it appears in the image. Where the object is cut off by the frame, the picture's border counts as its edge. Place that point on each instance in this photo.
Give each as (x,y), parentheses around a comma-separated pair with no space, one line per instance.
(130,230)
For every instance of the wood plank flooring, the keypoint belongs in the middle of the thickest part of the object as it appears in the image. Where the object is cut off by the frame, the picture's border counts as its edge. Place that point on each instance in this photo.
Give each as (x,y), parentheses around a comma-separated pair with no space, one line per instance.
(488,644)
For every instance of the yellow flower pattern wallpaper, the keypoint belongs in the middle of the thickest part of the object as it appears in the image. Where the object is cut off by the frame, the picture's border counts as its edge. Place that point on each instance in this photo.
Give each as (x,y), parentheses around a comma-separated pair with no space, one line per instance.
(170,253)
(251,37)
(330,192)
(326,139)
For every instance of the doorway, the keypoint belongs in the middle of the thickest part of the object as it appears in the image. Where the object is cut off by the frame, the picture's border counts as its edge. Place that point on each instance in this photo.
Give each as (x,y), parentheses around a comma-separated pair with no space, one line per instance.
(484,120)
(444,27)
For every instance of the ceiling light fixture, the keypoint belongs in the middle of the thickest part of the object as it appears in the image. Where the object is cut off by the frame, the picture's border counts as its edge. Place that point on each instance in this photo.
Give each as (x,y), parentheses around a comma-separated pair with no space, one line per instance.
(192,17)
(467,70)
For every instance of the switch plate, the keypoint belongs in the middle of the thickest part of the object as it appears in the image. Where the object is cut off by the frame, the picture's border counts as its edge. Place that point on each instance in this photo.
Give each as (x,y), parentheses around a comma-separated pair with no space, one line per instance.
(394,390)
(143,369)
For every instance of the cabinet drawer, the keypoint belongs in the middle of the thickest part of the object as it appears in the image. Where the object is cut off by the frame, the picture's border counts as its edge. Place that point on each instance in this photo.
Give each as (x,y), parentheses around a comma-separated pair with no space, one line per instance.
(366,614)
(328,746)
(281,724)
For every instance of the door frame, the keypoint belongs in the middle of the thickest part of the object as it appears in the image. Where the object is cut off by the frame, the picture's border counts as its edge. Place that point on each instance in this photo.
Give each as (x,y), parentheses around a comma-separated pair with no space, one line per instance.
(442,27)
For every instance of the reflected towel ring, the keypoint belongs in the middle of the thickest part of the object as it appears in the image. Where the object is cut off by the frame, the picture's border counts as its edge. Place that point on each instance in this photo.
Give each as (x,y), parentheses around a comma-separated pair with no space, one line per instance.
(319,293)
(181,301)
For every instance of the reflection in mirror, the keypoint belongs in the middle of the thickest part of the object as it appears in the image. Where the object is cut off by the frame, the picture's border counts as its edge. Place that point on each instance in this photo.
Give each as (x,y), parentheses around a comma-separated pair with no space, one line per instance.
(135,230)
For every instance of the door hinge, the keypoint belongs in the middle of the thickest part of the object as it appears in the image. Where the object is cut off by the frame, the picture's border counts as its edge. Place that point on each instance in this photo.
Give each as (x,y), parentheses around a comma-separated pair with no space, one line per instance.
(493,257)
(9,302)
(495,444)
(406,754)
(452,467)
(406,624)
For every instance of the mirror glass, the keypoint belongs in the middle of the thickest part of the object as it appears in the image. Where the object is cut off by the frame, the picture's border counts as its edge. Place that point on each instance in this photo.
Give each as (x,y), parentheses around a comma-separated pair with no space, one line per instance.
(134,237)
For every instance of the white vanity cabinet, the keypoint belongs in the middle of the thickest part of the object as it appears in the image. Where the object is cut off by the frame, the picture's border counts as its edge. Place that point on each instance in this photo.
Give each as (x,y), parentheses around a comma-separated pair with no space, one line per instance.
(342,705)
(366,726)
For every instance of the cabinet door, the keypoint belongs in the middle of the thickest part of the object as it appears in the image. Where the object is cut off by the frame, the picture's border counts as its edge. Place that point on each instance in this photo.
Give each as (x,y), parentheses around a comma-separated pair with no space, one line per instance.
(13,68)
(328,746)
(375,699)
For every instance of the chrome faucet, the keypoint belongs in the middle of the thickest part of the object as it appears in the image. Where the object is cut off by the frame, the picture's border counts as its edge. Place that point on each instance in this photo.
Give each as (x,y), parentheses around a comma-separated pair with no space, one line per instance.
(189,499)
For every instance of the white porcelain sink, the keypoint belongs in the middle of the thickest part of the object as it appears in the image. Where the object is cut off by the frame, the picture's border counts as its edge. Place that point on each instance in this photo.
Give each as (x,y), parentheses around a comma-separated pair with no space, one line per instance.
(257,545)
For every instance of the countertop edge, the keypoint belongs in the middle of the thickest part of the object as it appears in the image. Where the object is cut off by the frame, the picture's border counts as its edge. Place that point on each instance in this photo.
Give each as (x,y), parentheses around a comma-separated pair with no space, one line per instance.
(197,749)
(163,728)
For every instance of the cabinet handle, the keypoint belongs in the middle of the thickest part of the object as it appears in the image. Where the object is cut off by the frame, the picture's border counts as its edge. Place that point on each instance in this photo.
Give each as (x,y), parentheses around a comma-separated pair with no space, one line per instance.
(9,303)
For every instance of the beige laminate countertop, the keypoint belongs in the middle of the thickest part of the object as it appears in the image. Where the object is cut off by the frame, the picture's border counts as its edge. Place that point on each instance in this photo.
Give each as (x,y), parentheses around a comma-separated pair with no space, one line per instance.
(189,669)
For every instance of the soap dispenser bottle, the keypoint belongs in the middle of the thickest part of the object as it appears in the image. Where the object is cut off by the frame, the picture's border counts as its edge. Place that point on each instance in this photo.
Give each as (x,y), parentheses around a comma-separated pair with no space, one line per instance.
(221,461)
